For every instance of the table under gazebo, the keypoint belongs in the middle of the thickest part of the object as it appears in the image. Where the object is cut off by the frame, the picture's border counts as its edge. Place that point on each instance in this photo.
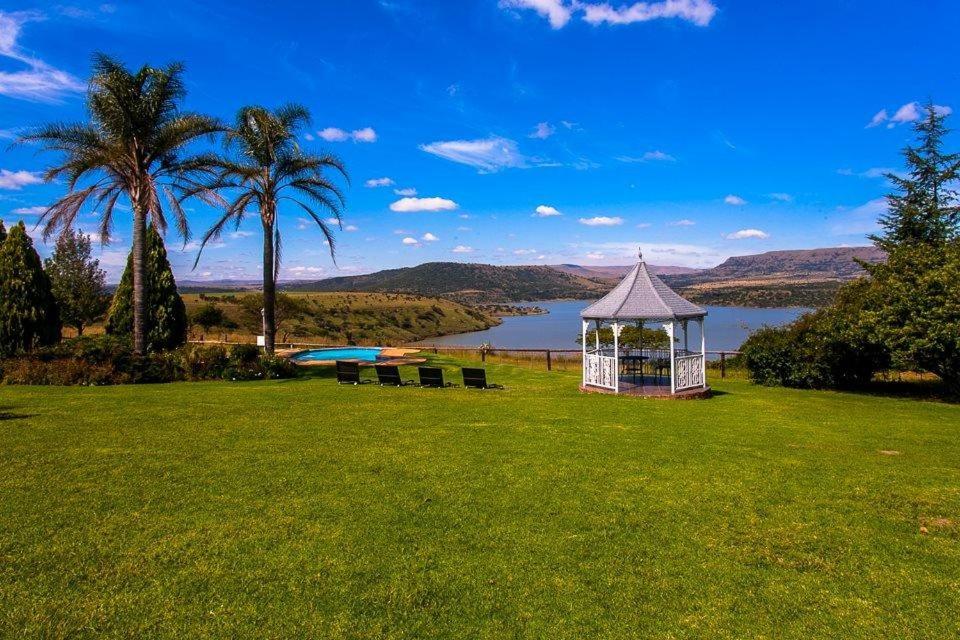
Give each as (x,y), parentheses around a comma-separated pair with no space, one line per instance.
(641,298)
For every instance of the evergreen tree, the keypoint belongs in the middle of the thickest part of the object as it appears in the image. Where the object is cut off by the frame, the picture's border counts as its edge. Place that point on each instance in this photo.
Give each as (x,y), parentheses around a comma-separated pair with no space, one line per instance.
(166,319)
(925,208)
(28,310)
(77,279)
(3,232)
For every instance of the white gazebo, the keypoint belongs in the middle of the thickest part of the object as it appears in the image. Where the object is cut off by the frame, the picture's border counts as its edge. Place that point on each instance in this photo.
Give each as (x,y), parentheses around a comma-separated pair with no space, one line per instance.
(642,297)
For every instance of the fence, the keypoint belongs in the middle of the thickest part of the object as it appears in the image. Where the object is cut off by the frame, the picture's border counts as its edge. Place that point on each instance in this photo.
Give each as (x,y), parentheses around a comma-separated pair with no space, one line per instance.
(551,359)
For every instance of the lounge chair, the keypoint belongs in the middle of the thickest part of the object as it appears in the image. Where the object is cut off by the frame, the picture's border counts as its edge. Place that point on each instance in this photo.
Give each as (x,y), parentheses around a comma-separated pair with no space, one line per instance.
(477,379)
(433,377)
(349,373)
(389,376)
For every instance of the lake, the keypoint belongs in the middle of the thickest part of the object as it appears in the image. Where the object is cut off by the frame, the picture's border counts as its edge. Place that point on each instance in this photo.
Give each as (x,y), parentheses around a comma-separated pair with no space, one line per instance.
(726,327)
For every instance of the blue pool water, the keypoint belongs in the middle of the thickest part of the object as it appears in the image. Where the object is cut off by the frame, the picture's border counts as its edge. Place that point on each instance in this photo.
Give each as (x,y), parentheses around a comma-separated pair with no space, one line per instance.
(368,354)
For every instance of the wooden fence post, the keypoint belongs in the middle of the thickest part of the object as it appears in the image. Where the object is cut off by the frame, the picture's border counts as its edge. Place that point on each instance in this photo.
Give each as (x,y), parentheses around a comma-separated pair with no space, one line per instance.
(549,364)
(723,365)
(483,354)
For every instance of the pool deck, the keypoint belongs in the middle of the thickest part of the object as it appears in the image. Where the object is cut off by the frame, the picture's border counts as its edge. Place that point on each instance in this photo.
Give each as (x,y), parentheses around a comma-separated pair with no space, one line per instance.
(397,356)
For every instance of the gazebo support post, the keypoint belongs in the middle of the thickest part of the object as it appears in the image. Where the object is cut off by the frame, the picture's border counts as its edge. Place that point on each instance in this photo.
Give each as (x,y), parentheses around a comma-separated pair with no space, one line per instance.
(616,355)
(583,360)
(669,327)
(703,354)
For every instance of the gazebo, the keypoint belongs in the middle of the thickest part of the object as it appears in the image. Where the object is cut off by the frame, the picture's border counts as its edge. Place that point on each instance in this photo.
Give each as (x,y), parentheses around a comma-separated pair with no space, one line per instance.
(642,297)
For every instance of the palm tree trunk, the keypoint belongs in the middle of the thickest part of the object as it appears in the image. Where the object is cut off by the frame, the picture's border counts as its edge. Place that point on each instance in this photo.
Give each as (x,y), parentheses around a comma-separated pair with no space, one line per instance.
(269,290)
(139,279)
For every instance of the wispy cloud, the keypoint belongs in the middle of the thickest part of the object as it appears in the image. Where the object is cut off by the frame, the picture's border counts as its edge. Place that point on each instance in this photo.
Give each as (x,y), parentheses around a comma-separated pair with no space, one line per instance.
(16,180)
(373,183)
(781,197)
(909,112)
(405,192)
(743,234)
(412,205)
(679,254)
(681,223)
(545,211)
(601,221)
(859,220)
(461,248)
(649,156)
(734,200)
(543,130)
(241,234)
(559,12)
(29,211)
(38,82)
(488,155)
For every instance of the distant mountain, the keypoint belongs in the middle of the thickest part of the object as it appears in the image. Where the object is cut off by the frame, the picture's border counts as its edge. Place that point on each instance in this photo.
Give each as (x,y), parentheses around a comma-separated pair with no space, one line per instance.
(798,278)
(617,272)
(467,282)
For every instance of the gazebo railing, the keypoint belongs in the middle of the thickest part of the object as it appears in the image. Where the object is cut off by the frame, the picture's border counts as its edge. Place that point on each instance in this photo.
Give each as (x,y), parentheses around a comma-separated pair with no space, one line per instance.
(600,370)
(688,372)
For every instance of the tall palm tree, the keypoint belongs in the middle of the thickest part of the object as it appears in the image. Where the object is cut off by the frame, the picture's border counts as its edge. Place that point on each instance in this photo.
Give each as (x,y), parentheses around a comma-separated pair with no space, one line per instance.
(263,167)
(133,146)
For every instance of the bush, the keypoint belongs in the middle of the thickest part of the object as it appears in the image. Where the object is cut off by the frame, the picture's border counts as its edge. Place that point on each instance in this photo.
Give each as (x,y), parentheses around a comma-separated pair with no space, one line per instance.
(103,360)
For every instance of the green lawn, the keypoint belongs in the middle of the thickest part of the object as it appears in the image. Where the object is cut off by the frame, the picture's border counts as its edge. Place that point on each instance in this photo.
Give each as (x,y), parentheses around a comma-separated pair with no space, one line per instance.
(304,509)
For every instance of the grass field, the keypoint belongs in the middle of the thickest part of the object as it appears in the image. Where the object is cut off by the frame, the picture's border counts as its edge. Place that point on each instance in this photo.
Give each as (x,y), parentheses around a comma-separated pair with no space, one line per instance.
(304,509)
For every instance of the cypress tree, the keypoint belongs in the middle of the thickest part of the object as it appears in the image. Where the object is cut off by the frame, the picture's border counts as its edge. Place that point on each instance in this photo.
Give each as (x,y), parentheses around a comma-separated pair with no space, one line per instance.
(166,318)
(28,311)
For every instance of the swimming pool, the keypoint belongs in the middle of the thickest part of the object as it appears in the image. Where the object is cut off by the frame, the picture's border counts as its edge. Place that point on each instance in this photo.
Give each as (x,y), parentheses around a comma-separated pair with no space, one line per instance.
(366,354)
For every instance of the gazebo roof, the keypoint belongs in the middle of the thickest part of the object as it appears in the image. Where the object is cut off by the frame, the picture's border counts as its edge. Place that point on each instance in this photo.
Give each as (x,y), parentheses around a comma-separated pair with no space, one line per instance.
(642,296)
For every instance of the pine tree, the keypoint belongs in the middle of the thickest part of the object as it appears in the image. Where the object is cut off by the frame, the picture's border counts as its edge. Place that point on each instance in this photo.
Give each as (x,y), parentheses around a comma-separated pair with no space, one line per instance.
(166,319)
(28,310)
(77,279)
(3,232)
(924,211)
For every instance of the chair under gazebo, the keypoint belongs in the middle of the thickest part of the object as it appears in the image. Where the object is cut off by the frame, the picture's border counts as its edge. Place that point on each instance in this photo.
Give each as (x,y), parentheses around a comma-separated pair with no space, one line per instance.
(641,297)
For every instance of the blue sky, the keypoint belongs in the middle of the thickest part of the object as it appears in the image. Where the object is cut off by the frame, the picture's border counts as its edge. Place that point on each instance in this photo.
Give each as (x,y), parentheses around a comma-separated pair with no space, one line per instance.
(522,131)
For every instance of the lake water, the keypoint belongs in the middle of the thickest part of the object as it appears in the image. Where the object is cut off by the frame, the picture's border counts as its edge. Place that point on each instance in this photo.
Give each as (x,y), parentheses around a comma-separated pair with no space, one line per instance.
(726,327)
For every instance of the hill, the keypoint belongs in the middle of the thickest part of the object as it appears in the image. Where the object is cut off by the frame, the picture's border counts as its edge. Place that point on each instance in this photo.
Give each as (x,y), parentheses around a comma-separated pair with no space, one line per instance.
(798,278)
(466,282)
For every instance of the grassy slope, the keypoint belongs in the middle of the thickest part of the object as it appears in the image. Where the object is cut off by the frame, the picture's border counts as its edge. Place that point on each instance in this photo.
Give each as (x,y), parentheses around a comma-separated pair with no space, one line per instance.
(294,508)
(367,318)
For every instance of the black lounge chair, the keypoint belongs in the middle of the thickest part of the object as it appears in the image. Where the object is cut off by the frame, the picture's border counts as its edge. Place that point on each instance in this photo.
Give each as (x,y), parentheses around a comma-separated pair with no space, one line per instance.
(389,376)
(349,373)
(433,377)
(477,379)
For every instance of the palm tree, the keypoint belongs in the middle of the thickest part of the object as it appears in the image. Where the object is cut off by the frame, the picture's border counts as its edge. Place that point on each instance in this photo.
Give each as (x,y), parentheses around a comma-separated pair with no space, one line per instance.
(134,147)
(263,167)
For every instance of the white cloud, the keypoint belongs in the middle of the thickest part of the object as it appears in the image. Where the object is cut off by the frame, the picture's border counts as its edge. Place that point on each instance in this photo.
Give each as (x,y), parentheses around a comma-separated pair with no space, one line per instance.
(555,11)
(782,197)
(747,233)
(241,234)
(405,192)
(373,183)
(734,200)
(333,134)
(879,118)
(411,205)
(649,156)
(682,223)
(543,131)
(351,228)
(595,256)
(877,172)
(644,225)
(429,237)
(308,137)
(16,180)
(367,134)
(410,241)
(909,112)
(304,271)
(602,221)
(486,154)
(559,12)
(29,211)
(524,252)
(38,82)
(545,211)
(684,255)
(698,12)
(461,248)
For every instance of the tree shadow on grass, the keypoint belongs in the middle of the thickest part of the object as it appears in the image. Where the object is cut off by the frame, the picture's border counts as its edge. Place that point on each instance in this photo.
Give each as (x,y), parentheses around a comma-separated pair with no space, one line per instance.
(7,414)
(925,390)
